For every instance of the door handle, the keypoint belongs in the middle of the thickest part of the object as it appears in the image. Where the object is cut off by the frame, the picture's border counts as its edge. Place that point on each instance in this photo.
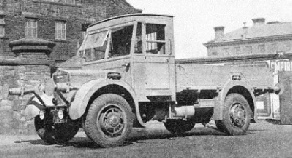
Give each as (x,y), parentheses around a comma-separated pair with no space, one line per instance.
(126,65)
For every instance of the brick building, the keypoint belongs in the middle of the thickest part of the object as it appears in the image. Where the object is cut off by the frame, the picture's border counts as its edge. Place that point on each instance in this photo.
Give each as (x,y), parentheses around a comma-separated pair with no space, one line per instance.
(60,21)
(263,44)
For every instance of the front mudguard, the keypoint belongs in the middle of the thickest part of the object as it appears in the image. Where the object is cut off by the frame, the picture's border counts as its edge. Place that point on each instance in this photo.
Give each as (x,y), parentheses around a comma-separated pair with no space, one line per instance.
(33,109)
(87,90)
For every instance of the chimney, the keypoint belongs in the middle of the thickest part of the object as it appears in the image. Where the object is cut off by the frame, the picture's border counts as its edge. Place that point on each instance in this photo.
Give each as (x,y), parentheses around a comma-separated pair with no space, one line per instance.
(244,32)
(258,21)
(219,33)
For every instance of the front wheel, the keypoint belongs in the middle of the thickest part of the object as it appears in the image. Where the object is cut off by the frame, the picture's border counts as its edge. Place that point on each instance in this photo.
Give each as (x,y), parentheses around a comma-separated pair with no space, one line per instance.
(59,133)
(46,133)
(236,115)
(109,120)
(65,132)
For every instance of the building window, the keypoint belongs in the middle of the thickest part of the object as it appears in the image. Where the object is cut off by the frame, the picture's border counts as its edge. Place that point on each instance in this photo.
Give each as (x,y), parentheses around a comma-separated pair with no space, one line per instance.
(60,28)
(214,54)
(237,50)
(287,46)
(2,30)
(273,48)
(70,1)
(31,28)
(226,52)
(2,27)
(248,50)
(261,49)
(62,1)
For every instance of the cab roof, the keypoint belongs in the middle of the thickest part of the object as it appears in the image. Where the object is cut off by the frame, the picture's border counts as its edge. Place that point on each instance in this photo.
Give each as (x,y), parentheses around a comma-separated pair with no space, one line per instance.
(130,15)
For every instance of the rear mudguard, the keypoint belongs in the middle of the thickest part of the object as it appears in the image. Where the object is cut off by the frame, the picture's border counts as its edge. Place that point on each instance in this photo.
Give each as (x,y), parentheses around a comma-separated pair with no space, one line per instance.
(87,90)
(218,109)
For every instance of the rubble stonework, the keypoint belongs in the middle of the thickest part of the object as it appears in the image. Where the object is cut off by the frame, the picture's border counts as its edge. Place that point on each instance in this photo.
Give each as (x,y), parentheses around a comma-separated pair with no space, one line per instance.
(22,72)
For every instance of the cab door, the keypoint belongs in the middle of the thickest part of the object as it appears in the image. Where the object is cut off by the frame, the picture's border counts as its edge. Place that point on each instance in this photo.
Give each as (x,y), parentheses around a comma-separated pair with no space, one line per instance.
(153,60)
(117,57)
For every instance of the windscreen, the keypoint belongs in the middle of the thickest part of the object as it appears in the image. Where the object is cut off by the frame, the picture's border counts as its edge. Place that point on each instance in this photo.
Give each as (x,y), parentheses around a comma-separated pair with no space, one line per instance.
(94,46)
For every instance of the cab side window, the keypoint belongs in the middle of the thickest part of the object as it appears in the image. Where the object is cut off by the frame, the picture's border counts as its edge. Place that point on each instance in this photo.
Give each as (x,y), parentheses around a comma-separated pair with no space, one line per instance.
(120,44)
(155,39)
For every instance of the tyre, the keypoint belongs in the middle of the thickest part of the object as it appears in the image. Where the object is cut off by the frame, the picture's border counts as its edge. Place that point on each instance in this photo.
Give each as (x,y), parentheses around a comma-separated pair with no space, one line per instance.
(236,115)
(178,126)
(61,133)
(87,134)
(46,133)
(219,125)
(109,120)
(65,132)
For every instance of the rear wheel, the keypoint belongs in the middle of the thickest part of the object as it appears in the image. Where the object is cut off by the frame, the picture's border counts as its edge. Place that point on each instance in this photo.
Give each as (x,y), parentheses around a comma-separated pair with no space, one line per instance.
(236,115)
(219,125)
(109,120)
(178,126)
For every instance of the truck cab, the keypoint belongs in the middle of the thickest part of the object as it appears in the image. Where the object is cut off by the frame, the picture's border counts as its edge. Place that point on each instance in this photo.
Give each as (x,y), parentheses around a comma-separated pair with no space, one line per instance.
(140,47)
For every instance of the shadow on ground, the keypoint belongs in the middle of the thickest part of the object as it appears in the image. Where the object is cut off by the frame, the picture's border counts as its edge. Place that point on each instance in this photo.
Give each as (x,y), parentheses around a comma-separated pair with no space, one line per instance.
(135,136)
(273,121)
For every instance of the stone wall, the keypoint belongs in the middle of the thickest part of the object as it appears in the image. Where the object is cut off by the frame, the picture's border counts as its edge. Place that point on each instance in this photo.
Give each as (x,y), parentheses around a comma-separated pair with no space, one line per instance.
(23,71)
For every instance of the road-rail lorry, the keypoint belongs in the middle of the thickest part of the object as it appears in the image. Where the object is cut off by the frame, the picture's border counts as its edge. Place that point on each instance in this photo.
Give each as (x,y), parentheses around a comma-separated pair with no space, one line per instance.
(125,74)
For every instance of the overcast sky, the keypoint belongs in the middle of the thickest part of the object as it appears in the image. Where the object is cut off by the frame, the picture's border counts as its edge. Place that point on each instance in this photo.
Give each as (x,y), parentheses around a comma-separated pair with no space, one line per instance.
(194,19)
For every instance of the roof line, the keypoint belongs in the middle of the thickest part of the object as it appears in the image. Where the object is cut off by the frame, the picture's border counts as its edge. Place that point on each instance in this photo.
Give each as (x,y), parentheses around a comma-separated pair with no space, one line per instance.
(255,39)
(213,60)
(128,15)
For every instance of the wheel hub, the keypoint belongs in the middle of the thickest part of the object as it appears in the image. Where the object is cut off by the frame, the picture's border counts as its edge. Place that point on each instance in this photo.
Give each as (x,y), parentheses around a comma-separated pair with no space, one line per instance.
(111,121)
(237,115)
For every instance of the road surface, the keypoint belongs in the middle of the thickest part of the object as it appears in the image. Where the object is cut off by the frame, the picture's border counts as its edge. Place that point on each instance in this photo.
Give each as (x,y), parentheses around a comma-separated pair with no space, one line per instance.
(263,140)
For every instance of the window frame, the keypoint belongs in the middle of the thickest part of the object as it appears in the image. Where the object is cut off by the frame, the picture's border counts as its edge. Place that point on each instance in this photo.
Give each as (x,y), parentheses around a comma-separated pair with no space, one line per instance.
(237,50)
(151,41)
(2,31)
(166,40)
(60,32)
(248,50)
(31,28)
(261,48)
(106,56)
(2,27)
(115,29)
(226,51)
